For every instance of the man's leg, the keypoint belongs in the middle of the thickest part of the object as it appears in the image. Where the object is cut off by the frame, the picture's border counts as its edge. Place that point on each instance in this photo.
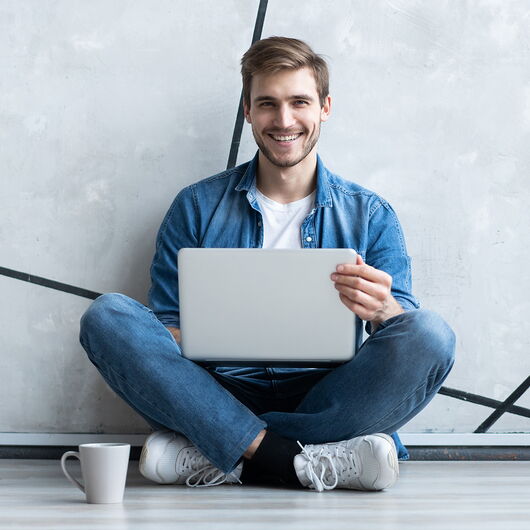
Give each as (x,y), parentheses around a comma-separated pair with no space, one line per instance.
(139,359)
(395,374)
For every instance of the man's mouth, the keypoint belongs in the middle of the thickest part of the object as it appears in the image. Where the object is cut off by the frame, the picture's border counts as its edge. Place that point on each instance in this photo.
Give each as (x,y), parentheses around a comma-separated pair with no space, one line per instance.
(285,138)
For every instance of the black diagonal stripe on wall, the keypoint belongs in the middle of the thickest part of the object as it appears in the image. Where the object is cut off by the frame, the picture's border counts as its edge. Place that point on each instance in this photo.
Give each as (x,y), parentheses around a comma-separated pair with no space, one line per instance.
(238,128)
(484,401)
(505,405)
(45,282)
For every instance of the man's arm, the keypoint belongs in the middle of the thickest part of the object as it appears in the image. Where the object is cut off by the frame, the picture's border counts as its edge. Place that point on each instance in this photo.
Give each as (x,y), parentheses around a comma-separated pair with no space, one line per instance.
(178,230)
(384,273)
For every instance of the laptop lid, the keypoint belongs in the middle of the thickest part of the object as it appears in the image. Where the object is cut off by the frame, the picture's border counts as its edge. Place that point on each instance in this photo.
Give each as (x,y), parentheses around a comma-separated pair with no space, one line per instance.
(265,307)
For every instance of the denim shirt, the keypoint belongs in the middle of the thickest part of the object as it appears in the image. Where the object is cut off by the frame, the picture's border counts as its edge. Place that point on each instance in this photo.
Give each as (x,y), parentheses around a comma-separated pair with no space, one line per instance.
(222,212)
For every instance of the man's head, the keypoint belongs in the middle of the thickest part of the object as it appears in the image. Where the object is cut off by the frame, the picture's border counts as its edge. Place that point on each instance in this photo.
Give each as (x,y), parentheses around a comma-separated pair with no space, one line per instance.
(285,98)
(269,56)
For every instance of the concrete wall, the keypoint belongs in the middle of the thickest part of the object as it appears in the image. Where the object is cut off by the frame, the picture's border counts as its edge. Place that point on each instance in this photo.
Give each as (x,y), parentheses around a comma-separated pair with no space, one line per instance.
(107,109)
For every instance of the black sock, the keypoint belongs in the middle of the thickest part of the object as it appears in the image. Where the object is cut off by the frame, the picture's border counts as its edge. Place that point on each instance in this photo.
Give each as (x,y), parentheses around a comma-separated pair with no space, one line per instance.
(272,461)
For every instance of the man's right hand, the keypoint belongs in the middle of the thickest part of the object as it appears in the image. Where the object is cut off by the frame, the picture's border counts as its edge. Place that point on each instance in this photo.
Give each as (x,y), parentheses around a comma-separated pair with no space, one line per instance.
(175,332)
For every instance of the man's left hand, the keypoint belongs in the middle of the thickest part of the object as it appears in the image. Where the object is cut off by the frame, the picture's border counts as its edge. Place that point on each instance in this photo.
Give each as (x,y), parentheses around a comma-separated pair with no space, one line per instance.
(366,291)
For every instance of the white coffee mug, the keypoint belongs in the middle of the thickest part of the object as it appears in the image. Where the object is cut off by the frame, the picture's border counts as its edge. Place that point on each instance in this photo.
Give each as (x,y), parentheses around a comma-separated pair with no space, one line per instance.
(104,470)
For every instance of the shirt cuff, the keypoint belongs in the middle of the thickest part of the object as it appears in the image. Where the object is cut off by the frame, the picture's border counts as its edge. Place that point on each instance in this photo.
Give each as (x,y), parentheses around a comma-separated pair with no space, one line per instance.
(169,320)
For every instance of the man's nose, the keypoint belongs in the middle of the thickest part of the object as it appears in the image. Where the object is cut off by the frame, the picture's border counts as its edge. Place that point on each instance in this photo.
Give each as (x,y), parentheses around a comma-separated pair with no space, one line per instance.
(284,117)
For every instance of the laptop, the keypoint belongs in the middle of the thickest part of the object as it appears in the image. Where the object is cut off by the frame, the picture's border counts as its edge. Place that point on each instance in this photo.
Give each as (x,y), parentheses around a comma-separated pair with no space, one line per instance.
(263,307)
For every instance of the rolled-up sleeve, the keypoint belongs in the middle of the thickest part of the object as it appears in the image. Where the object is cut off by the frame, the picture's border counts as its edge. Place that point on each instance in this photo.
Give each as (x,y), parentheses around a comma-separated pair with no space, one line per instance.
(178,230)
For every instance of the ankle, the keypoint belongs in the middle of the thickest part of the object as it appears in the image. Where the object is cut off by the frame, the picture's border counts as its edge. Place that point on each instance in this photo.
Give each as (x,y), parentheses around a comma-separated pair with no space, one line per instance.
(252,448)
(273,460)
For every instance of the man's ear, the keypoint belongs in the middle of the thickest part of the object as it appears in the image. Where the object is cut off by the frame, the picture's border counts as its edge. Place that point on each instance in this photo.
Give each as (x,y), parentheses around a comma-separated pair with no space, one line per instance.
(325,111)
(246,112)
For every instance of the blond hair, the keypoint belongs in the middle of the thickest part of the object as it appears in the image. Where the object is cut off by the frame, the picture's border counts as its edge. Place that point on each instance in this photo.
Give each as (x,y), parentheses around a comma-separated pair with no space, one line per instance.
(268,56)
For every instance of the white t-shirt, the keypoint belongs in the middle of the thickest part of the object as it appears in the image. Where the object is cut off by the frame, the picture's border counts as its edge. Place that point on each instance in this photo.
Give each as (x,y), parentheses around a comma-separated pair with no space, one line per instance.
(282,222)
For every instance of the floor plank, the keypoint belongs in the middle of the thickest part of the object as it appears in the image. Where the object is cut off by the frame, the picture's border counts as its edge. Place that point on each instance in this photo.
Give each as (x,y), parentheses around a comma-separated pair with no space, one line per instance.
(429,495)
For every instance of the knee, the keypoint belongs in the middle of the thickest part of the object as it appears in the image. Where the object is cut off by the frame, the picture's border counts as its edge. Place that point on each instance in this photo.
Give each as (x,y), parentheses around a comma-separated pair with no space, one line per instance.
(434,336)
(100,316)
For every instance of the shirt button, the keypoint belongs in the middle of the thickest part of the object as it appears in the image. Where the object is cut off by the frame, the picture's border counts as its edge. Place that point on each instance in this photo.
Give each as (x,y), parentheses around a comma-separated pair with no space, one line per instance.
(259,223)
(309,239)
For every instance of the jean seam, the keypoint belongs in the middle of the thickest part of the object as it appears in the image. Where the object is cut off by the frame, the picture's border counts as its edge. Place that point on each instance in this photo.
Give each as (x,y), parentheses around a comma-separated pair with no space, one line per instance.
(154,317)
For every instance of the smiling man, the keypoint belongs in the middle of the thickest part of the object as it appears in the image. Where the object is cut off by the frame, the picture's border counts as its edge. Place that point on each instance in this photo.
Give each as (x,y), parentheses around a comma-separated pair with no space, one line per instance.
(320,428)
(285,112)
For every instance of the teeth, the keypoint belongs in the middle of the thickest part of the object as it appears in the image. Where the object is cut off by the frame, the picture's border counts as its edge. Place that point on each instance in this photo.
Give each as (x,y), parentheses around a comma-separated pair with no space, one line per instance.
(286,138)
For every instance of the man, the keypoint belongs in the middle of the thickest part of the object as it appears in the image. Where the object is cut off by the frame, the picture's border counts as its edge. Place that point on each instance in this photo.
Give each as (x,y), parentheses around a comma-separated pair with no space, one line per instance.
(314,428)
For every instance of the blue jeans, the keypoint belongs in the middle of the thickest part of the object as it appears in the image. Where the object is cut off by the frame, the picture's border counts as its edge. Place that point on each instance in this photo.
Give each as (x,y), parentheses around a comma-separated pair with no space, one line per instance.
(396,372)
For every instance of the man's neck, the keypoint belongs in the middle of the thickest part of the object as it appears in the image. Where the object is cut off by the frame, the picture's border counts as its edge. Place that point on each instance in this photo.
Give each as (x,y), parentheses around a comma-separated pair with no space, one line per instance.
(287,184)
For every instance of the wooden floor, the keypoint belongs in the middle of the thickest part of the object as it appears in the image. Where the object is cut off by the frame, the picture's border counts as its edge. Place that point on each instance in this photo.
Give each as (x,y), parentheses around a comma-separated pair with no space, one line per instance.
(429,495)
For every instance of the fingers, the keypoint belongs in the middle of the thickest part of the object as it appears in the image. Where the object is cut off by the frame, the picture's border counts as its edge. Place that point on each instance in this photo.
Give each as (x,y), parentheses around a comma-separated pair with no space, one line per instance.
(359,290)
(363,312)
(358,297)
(175,332)
(363,289)
(364,271)
(356,282)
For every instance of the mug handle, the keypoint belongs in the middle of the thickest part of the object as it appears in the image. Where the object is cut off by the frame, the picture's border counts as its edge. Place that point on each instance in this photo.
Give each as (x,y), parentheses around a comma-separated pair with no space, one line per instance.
(68,476)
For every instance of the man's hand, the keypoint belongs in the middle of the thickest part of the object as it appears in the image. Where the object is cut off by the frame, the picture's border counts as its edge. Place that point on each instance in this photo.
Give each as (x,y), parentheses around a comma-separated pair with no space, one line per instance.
(175,332)
(366,291)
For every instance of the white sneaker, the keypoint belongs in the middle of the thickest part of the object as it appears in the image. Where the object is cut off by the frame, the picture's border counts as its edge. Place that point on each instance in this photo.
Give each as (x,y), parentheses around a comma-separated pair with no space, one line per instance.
(170,458)
(363,463)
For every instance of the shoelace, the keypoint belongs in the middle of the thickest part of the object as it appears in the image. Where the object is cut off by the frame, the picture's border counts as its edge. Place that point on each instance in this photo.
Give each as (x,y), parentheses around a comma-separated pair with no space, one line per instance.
(324,459)
(204,473)
(208,476)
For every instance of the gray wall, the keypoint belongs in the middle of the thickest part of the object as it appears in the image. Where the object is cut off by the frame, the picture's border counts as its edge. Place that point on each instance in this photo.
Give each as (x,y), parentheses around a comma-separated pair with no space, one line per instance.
(107,109)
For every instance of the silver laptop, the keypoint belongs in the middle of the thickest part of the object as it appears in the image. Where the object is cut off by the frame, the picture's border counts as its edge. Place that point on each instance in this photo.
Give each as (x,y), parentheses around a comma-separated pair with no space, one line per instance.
(263,307)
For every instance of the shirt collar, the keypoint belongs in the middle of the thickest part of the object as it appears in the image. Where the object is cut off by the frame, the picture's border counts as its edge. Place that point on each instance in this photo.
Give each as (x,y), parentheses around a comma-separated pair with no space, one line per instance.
(323,192)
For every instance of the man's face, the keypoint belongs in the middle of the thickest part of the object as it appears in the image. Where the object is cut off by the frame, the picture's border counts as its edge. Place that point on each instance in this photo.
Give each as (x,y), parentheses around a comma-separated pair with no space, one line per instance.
(285,115)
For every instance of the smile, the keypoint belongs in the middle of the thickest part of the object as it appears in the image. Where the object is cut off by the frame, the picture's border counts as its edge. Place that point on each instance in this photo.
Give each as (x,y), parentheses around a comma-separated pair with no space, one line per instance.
(289,138)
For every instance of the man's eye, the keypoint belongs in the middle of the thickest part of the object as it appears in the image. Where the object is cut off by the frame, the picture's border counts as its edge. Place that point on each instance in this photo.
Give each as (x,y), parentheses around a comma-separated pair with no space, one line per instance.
(301,102)
(265,104)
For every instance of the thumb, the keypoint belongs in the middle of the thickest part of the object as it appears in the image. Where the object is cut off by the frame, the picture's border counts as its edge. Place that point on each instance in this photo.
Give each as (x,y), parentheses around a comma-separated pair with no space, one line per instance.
(359,260)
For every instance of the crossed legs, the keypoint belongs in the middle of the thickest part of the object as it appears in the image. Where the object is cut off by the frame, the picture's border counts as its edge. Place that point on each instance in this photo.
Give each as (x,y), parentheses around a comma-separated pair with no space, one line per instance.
(397,371)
